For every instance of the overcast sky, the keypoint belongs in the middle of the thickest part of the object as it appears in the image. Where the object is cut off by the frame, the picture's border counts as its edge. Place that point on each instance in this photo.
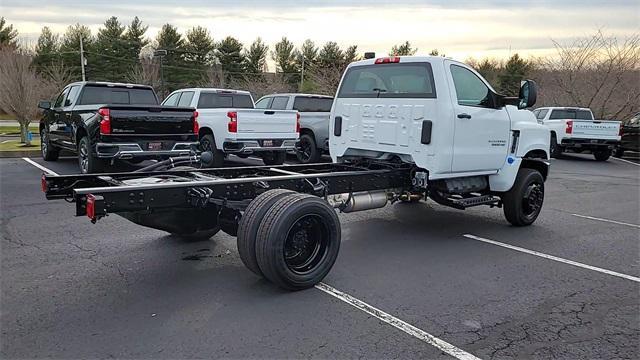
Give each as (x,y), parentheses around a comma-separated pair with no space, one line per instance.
(460,29)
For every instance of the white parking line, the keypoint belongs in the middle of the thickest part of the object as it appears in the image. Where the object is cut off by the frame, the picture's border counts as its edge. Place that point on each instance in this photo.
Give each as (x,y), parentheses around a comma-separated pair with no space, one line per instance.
(626,161)
(554,258)
(397,323)
(48,171)
(606,220)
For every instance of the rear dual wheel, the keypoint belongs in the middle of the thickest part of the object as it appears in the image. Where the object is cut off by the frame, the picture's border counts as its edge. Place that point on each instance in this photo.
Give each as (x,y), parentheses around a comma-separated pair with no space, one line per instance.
(297,239)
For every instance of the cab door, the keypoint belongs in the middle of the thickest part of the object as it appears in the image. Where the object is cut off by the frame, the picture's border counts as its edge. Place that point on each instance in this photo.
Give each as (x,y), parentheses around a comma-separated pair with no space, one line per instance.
(481,132)
(55,119)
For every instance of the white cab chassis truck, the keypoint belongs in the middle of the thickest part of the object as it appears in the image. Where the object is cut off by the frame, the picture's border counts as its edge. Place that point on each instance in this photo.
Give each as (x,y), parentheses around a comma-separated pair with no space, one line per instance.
(229,124)
(402,129)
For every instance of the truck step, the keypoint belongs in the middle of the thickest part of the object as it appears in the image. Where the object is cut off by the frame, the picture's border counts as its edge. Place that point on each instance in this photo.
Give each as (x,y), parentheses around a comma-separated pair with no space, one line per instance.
(475,201)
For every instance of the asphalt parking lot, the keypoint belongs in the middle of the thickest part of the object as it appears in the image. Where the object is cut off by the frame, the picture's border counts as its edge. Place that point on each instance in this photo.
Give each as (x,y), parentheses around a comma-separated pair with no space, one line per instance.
(565,287)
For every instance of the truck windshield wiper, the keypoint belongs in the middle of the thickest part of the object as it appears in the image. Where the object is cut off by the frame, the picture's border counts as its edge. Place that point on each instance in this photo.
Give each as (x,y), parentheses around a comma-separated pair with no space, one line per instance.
(379,91)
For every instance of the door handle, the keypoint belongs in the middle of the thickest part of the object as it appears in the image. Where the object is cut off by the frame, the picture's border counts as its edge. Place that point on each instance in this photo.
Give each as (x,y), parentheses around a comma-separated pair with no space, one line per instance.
(464,116)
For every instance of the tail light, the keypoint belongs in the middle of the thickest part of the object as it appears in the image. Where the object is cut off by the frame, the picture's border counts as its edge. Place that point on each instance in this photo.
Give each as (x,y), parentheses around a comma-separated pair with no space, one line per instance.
(298,123)
(569,129)
(196,125)
(91,207)
(388,60)
(233,121)
(105,123)
(43,184)
(621,131)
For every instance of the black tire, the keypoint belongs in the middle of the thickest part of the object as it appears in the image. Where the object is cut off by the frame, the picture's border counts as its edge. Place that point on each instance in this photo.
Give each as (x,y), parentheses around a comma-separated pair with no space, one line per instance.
(208,143)
(298,241)
(618,152)
(249,224)
(49,152)
(555,150)
(308,152)
(87,160)
(602,155)
(274,157)
(523,203)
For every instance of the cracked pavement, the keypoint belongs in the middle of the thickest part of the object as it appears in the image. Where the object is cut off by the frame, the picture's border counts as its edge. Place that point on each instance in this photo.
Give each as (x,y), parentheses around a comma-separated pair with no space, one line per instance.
(70,289)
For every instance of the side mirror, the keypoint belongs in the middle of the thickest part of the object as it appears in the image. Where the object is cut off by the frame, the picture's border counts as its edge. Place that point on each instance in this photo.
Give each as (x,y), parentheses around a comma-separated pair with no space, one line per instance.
(44,104)
(528,94)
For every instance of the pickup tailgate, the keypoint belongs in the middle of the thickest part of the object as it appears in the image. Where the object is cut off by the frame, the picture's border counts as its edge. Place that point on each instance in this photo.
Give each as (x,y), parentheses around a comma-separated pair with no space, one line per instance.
(262,123)
(596,129)
(150,120)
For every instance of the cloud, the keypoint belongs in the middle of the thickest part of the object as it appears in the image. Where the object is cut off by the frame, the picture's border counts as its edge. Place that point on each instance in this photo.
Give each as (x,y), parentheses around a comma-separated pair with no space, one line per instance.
(457,28)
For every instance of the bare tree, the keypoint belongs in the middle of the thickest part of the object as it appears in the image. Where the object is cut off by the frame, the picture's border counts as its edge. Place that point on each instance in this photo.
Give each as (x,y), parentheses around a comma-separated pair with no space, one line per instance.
(214,77)
(599,72)
(21,88)
(326,79)
(147,73)
(270,83)
(56,77)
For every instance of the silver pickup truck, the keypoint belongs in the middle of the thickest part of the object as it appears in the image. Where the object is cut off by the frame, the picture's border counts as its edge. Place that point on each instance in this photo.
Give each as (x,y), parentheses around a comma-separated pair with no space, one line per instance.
(314,121)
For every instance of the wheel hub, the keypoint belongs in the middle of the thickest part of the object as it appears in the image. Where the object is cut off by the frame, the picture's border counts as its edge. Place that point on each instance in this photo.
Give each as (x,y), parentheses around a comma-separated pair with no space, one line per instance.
(532,200)
(306,244)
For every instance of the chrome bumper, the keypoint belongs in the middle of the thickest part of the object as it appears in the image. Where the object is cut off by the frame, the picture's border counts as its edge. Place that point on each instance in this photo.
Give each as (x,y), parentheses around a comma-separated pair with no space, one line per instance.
(251,146)
(132,150)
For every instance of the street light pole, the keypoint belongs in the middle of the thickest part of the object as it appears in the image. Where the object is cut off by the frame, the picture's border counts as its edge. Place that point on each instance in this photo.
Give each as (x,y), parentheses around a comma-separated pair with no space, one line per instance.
(161,54)
(82,59)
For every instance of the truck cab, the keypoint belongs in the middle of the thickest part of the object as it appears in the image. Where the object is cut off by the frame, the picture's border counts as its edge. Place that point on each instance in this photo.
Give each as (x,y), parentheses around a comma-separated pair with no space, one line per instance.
(442,116)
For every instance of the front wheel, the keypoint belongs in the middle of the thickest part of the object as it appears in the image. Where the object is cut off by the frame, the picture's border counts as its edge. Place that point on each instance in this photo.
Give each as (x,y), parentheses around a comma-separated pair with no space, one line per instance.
(274,158)
(523,203)
(298,241)
(602,155)
(49,153)
(88,161)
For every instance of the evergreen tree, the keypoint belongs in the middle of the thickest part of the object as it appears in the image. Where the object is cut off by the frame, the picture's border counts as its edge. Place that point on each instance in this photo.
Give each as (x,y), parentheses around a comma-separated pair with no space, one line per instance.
(8,35)
(308,51)
(70,50)
(256,58)
(403,49)
(47,50)
(199,52)
(436,52)
(515,70)
(171,40)
(230,56)
(110,60)
(135,40)
(351,55)
(285,57)
(330,55)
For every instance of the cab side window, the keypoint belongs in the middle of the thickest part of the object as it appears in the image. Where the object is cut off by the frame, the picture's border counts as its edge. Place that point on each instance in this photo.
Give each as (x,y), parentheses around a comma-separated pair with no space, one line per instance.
(279,103)
(61,97)
(172,100)
(72,96)
(263,103)
(185,99)
(470,90)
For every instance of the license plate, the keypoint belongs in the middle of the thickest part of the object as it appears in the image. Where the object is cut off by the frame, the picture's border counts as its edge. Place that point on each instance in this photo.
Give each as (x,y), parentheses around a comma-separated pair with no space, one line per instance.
(154,146)
(267,142)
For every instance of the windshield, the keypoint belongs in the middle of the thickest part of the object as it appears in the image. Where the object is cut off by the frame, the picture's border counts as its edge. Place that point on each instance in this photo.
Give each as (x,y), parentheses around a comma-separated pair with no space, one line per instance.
(218,101)
(571,114)
(396,80)
(92,95)
(312,104)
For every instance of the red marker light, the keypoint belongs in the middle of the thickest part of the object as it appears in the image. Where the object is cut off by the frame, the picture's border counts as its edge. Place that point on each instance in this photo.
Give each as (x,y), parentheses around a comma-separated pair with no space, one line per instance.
(298,123)
(43,184)
(388,60)
(91,207)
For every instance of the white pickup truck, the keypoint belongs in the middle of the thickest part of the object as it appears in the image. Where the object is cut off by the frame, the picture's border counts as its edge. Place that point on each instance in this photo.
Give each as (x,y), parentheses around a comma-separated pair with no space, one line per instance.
(229,124)
(574,128)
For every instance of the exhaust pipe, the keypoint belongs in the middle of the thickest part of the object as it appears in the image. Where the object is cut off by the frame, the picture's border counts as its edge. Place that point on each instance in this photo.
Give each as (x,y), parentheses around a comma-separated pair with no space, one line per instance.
(359,201)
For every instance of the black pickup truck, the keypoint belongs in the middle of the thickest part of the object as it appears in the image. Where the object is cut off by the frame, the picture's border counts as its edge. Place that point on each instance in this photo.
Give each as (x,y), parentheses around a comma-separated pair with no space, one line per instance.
(104,122)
